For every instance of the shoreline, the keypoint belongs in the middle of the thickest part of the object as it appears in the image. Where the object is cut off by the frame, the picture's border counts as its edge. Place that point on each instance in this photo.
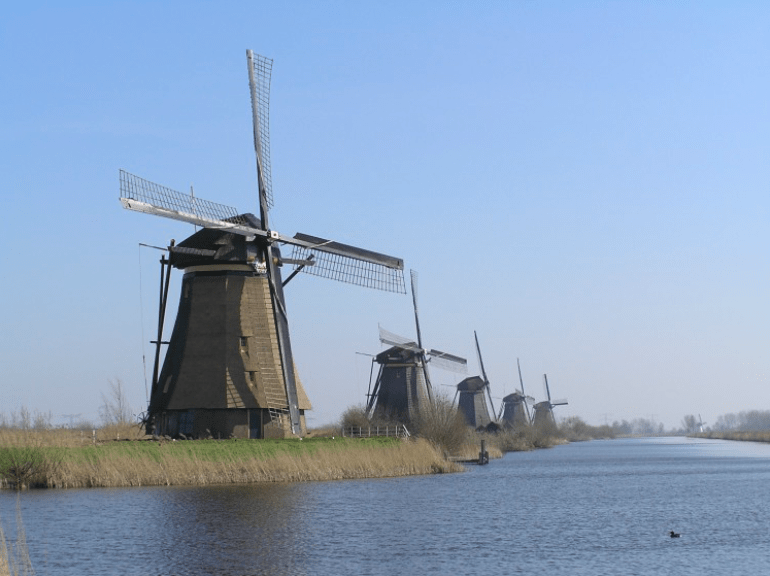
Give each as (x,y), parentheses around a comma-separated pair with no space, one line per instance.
(735,435)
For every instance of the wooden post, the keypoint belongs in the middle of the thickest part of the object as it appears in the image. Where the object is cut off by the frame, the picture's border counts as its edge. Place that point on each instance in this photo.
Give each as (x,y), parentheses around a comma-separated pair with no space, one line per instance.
(483,455)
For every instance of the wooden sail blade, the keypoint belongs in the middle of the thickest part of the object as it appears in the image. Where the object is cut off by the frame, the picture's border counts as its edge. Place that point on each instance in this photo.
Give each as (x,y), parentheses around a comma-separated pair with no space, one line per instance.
(142,195)
(448,361)
(349,264)
(392,339)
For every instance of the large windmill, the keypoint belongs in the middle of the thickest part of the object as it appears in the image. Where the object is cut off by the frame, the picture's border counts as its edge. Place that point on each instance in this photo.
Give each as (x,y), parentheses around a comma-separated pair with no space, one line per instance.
(474,393)
(403,388)
(515,411)
(229,368)
(544,417)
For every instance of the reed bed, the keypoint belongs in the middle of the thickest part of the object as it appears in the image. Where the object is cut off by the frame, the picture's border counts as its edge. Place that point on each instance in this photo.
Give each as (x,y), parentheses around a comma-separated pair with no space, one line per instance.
(204,462)
(743,436)
(470,452)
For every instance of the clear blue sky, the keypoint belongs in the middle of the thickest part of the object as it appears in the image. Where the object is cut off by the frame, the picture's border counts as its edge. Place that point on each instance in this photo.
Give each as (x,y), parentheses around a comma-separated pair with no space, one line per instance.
(583,183)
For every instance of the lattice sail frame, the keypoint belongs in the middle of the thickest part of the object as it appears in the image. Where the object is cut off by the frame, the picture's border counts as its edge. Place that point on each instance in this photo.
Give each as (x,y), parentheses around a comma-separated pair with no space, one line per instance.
(144,196)
(350,270)
(448,362)
(393,339)
(263,68)
(439,359)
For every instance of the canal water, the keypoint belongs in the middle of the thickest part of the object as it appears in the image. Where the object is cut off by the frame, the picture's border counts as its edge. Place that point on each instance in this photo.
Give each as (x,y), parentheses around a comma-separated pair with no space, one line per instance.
(594,508)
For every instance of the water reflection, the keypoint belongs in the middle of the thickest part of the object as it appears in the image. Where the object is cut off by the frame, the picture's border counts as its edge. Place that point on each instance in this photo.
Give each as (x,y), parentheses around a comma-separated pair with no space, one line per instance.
(235,530)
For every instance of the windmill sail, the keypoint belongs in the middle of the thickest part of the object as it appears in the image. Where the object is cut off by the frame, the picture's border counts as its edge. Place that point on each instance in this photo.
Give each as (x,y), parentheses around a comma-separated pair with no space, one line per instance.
(142,195)
(260,73)
(349,264)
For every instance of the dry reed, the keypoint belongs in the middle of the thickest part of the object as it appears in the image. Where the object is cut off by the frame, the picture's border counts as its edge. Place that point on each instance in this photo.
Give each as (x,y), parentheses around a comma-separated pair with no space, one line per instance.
(738,435)
(14,558)
(153,463)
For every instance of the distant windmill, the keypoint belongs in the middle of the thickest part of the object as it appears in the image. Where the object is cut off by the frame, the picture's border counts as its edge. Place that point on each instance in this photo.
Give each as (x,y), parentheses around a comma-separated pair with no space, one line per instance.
(403,388)
(515,411)
(229,368)
(473,395)
(544,417)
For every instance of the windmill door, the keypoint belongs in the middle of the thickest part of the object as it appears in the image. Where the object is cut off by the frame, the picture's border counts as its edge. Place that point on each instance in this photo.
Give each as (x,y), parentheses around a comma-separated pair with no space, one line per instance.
(255,423)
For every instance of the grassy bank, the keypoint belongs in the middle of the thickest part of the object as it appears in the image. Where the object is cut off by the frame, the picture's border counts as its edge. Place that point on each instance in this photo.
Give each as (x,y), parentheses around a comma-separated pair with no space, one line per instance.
(748,436)
(202,462)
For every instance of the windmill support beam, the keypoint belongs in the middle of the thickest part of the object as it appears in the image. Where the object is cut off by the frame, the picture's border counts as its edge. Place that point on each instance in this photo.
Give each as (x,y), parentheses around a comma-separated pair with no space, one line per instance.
(284,343)
(165,270)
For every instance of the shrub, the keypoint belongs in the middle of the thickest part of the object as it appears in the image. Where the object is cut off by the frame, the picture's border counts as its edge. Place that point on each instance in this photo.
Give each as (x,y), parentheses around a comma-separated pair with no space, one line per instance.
(26,466)
(574,429)
(354,416)
(442,425)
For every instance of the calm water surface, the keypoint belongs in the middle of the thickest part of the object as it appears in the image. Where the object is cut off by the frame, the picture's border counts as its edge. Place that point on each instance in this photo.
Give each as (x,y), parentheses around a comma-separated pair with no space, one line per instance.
(595,508)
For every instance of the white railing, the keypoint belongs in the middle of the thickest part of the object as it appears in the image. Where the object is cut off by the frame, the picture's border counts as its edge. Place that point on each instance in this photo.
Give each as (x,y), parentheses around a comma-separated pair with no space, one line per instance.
(392,430)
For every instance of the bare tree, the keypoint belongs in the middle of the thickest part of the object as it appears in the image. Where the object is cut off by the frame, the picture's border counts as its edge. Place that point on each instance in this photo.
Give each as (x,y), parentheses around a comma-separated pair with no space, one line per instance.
(115,408)
(690,423)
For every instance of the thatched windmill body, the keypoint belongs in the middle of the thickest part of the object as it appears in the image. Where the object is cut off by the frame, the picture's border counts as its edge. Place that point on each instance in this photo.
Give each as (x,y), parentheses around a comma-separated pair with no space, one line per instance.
(402,389)
(473,395)
(544,417)
(515,410)
(229,368)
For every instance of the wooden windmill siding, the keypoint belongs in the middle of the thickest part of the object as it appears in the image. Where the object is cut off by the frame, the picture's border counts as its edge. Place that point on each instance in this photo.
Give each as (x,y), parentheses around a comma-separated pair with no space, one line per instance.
(514,411)
(473,393)
(472,402)
(222,374)
(401,392)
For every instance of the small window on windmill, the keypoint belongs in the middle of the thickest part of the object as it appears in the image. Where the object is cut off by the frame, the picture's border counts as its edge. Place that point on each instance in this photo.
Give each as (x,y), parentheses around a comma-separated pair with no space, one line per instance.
(244,342)
(253,378)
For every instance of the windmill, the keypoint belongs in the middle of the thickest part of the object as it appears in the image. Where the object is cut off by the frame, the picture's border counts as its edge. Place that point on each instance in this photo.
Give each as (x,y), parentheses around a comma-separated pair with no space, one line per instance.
(515,412)
(474,393)
(544,417)
(229,368)
(403,387)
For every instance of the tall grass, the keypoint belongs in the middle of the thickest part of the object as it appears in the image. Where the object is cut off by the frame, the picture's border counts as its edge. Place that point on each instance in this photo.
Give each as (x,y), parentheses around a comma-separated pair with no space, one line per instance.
(201,462)
(744,436)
